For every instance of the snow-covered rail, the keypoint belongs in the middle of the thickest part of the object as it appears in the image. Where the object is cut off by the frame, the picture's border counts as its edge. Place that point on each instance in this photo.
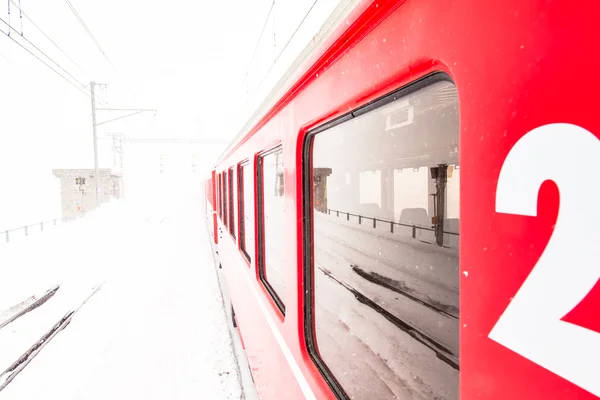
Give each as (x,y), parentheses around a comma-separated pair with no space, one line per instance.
(27,305)
(24,359)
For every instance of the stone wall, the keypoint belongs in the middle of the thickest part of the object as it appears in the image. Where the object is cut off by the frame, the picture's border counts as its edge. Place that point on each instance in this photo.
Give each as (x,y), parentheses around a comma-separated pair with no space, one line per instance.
(77,188)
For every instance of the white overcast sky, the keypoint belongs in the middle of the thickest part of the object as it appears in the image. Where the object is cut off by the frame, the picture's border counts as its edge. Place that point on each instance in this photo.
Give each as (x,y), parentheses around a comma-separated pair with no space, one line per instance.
(188,59)
(184,58)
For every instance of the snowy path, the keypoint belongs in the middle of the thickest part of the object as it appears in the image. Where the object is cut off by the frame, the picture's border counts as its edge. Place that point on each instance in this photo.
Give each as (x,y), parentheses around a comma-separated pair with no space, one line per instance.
(156,330)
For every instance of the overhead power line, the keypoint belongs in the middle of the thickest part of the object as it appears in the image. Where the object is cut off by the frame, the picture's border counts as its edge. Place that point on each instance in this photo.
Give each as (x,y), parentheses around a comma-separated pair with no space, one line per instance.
(45,63)
(45,35)
(134,112)
(151,140)
(88,31)
(262,32)
(288,42)
(81,85)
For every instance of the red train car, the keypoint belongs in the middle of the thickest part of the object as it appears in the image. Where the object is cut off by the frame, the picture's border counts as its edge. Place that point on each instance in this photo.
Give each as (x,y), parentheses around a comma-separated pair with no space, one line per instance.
(406,216)
(210,202)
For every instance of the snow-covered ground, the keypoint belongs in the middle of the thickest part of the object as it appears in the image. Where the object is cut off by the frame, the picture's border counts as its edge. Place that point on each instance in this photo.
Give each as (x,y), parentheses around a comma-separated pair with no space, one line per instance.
(157,328)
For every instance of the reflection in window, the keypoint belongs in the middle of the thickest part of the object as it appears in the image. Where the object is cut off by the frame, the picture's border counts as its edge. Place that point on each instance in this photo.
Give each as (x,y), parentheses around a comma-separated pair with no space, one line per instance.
(369,183)
(385,212)
(246,204)
(271,190)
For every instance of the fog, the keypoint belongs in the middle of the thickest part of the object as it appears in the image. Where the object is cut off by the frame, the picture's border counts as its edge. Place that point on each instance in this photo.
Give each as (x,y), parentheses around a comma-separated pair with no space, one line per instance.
(202,65)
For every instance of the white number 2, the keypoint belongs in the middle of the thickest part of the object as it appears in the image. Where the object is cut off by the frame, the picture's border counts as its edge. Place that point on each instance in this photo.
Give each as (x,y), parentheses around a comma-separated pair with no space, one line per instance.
(570,265)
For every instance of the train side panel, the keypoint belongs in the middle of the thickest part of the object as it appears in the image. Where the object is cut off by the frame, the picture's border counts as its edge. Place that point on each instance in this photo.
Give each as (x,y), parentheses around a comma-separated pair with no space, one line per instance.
(210,193)
(258,321)
(517,67)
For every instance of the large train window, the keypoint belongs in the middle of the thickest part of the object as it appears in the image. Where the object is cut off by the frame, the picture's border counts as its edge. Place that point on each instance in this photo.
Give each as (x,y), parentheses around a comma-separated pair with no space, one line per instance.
(381,246)
(246,210)
(231,204)
(270,223)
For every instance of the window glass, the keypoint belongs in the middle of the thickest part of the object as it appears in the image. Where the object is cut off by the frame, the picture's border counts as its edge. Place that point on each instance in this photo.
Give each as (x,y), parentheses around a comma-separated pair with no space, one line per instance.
(246,216)
(225,220)
(231,204)
(220,197)
(271,191)
(384,270)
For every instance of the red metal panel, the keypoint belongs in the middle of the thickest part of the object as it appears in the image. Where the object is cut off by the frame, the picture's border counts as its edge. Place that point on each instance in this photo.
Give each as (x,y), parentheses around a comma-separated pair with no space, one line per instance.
(517,66)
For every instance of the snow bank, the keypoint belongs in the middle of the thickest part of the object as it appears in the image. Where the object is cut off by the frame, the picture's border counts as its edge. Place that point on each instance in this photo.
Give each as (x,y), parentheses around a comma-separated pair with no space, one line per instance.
(156,329)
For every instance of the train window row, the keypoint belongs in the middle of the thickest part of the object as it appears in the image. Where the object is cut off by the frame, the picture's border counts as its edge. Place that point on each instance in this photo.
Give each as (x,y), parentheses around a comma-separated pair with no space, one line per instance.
(381,193)
(269,195)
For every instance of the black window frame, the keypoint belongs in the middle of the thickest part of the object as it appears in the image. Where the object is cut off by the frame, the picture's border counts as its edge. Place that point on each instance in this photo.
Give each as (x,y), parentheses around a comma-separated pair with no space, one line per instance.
(231,202)
(309,325)
(242,210)
(260,259)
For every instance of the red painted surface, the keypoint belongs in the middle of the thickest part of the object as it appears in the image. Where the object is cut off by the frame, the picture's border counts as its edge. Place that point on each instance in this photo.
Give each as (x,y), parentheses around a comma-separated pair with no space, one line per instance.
(516,66)
(589,306)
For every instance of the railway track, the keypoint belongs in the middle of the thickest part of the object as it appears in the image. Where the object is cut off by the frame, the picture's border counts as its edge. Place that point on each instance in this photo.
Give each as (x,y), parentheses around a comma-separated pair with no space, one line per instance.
(18,311)
(27,305)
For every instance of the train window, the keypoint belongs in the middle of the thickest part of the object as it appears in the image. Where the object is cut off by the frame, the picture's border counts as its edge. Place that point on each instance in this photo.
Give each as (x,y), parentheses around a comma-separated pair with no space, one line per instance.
(225,221)
(231,204)
(246,208)
(382,306)
(220,197)
(270,223)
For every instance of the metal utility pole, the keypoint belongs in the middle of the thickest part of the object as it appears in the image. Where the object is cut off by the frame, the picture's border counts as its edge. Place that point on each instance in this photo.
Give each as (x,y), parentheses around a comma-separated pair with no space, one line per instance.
(96,173)
(95,124)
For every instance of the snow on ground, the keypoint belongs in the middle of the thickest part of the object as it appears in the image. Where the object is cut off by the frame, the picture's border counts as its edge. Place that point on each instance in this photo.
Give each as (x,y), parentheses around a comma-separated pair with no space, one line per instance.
(17,234)
(156,330)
